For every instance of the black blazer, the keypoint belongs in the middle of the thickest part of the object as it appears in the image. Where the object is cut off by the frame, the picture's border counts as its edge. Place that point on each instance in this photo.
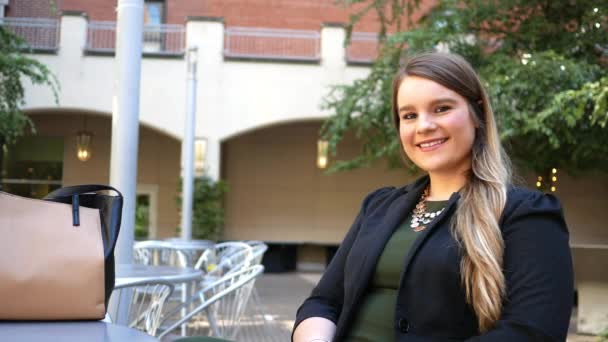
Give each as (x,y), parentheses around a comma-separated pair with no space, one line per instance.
(431,303)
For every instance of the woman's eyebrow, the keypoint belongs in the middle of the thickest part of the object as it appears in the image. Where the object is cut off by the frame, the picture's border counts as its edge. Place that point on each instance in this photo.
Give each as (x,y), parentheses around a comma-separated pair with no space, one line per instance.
(432,103)
(443,100)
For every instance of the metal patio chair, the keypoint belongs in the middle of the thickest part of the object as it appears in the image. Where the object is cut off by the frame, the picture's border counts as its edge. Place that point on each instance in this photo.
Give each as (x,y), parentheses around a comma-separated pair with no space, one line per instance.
(157,253)
(147,300)
(225,258)
(217,308)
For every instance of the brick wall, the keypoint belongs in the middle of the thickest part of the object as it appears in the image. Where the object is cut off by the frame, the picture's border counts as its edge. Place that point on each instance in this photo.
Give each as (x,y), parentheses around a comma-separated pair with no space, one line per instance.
(33,8)
(276,14)
(288,14)
(98,10)
(285,14)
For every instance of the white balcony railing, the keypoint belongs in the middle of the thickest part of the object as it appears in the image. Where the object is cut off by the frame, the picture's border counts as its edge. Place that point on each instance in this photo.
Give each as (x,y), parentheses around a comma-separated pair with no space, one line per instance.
(363,47)
(38,33)
(165,39)
(264,43)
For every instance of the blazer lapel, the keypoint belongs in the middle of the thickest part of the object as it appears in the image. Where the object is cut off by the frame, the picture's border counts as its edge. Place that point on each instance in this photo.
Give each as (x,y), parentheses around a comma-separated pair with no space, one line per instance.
(394,216)
(421,239)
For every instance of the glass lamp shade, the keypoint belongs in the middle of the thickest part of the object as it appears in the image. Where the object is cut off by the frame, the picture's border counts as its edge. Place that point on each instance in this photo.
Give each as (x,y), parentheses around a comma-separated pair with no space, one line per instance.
(200,155)
(322,159)
(83,145)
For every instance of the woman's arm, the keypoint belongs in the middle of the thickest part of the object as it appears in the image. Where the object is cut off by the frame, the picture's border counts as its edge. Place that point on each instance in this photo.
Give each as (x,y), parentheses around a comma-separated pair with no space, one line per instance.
(538,273)
(314,329)
(323,307)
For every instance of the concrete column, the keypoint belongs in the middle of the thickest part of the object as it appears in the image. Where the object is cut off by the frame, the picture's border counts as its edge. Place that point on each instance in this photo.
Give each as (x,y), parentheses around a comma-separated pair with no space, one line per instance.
(2,4)
(72,37)
(125,117)
(333,59)
(207,34)
(188,144)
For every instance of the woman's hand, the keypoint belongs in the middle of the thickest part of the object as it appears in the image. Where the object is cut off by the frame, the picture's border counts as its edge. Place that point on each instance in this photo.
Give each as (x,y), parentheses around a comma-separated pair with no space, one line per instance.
(315,329)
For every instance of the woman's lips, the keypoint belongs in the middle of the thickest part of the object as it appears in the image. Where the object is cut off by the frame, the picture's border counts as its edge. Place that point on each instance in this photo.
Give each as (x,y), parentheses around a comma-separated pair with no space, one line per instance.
(431,145)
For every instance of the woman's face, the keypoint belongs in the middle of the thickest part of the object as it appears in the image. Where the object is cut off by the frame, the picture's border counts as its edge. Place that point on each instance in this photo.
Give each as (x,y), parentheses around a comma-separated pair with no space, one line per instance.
(435,126)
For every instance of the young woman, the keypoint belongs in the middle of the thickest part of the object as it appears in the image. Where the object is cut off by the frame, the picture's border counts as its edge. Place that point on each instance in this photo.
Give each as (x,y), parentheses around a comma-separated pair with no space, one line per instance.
(458,255)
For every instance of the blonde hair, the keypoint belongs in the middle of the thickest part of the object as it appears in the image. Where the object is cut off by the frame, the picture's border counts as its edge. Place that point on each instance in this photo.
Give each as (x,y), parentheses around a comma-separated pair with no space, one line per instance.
(482,199)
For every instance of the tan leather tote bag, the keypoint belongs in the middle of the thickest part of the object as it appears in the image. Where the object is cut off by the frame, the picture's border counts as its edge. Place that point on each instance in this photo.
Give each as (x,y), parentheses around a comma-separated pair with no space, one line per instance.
(57,254)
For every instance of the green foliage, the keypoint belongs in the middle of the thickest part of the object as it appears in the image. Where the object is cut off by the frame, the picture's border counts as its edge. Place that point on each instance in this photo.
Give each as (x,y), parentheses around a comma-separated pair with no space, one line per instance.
(207,208)
(603,336)
(142,221)
(544,64)
(14,67)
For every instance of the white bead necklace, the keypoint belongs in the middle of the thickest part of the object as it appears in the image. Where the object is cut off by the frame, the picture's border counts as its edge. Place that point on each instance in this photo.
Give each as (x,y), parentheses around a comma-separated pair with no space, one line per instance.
(420,217)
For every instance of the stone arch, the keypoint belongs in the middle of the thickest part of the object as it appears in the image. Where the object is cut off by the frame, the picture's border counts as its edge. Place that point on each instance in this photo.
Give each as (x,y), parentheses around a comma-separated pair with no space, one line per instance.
(158,158)
(86,112)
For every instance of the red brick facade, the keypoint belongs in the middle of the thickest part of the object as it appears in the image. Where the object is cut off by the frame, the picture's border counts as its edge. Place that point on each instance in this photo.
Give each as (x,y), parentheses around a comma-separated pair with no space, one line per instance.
(33,8)
(274,14)
(284,14)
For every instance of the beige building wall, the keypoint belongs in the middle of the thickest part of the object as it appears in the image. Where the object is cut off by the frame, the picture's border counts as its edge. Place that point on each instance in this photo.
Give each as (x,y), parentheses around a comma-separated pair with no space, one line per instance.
(585,203)
(278,194)
(158,160)
(591,277)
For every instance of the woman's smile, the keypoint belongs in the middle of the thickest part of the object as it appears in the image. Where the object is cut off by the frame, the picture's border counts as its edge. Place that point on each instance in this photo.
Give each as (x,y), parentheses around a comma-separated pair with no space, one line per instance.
(432,144)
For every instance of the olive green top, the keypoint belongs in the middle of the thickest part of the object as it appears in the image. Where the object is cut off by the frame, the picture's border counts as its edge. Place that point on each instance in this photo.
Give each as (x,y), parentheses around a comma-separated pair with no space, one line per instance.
(375,318)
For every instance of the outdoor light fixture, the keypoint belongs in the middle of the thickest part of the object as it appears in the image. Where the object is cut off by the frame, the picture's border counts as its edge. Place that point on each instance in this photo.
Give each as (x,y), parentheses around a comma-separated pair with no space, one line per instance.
(322,159)
(83,145)
(200,155)
(553,179)
(551,182)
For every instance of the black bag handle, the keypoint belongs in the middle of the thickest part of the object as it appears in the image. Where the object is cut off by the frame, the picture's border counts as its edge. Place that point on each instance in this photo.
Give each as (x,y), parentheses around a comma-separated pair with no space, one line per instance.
(74,192)
(69,191)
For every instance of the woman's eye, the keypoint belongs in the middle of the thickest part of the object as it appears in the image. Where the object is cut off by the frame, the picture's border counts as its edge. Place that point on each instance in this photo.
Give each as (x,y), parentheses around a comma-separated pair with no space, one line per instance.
(442,109)
(409,116)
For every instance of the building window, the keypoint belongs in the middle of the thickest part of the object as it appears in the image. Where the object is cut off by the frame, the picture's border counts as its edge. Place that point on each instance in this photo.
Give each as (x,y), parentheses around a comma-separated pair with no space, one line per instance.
(154,12)
(32,167)
(142,217)
(153,19)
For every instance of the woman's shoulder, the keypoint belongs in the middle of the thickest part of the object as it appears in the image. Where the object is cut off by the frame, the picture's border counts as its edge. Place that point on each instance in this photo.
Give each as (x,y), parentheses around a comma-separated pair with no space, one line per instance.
(518,196)
(523,203)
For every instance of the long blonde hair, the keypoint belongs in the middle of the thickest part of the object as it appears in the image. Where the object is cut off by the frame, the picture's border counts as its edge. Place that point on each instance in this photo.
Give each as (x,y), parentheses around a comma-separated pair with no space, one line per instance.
(482,199)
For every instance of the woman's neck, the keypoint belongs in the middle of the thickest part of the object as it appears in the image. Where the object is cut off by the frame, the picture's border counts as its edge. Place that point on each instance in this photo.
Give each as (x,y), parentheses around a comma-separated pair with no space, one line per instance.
(444,185)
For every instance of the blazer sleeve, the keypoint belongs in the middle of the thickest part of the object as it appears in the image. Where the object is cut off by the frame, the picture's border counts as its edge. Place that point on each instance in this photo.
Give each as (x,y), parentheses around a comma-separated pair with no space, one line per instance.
(538,272)
(327,297)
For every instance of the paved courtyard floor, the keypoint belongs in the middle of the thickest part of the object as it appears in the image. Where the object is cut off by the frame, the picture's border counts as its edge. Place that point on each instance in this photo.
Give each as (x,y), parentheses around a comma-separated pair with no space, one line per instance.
(272,314)
(282,294)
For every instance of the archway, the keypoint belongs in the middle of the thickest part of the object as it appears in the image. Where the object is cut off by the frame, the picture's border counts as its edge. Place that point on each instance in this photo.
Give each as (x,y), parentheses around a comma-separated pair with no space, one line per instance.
(278,195)
(46,160)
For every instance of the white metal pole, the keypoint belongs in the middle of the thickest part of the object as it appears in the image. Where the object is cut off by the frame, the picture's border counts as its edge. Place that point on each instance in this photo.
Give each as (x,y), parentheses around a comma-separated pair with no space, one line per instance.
(188,146)
(125,117)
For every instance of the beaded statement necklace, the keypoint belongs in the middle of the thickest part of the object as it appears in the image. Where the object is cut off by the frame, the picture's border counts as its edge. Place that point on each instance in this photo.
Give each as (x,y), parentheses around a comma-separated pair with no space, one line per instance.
(420,217)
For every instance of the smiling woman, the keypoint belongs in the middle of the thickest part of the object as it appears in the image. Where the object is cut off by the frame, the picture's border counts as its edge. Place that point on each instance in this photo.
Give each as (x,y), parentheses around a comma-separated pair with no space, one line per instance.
(461,254)
(435,126)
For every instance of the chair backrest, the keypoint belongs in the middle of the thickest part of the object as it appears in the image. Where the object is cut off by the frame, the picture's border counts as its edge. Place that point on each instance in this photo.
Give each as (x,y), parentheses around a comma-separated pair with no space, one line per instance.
(222,301)
(259,248)
(225,258)
(146,302)
(153,252)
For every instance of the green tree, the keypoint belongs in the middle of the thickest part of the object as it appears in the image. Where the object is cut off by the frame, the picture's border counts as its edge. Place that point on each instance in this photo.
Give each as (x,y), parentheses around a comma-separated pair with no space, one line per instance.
(544,63)
(207,208)
(15,66)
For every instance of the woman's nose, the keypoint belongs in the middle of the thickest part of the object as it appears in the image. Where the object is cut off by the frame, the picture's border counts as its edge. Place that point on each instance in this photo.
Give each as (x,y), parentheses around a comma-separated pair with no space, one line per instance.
(425,123)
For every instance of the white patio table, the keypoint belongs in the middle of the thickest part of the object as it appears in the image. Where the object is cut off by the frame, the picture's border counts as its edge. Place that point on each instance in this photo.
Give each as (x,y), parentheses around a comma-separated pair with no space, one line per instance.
(70,332)
(130,274)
